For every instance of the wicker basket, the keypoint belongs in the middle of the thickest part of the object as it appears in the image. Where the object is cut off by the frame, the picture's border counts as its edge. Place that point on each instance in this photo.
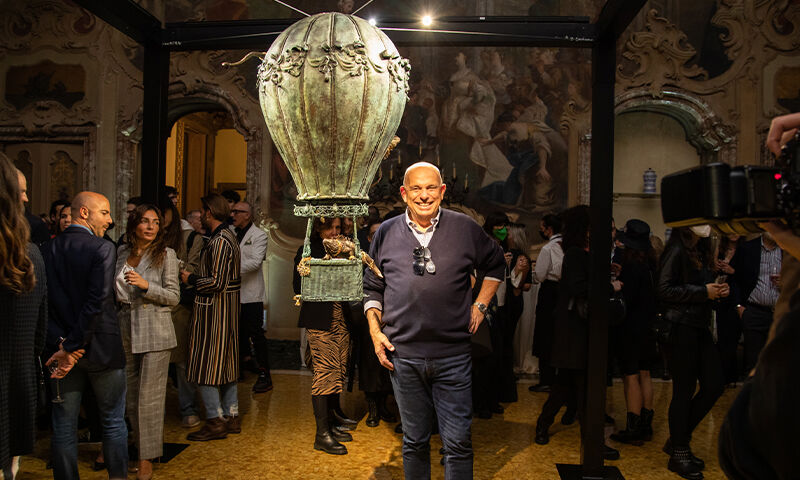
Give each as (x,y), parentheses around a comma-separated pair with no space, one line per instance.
(334,280)
(337,279)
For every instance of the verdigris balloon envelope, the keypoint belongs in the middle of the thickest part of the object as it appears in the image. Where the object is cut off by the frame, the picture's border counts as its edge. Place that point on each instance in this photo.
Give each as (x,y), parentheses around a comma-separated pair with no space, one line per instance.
(333,89)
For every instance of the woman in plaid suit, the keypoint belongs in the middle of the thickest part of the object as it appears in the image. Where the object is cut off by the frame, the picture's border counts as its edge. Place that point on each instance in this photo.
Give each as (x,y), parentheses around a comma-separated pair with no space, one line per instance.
(147,288)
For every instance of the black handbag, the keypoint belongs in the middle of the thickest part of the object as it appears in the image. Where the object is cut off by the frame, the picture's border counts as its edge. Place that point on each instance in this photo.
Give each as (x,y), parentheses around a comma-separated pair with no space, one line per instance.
(41,388)
(661,327)
(616,309)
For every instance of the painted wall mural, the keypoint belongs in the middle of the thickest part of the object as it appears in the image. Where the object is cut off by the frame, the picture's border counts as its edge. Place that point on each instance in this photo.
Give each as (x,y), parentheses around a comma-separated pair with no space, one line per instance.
(490,119)
(65,84)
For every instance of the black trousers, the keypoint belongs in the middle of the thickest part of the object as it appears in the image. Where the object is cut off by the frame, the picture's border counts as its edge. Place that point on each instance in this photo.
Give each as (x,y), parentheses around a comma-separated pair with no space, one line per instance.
(569,387)
(756,321)
(251,317)
(693,358)
(729,329)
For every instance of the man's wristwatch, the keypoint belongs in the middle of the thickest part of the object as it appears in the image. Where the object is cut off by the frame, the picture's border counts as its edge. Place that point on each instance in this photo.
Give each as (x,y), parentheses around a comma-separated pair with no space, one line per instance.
(481,307)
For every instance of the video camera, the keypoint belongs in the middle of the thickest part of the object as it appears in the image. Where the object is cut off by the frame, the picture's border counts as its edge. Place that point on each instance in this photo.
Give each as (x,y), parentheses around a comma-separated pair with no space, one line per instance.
(735,199)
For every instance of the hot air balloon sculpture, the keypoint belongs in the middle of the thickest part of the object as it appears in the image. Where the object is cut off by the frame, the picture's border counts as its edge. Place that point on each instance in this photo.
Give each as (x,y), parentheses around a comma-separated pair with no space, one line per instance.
(332,89)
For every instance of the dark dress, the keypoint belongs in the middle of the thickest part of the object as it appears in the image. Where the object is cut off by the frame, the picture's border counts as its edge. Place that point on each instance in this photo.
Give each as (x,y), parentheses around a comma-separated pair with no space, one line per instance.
(635,342)
(23,325)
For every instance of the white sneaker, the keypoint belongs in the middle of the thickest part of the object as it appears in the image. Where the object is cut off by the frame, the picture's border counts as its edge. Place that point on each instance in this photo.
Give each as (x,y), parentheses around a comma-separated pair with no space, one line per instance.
(190,421)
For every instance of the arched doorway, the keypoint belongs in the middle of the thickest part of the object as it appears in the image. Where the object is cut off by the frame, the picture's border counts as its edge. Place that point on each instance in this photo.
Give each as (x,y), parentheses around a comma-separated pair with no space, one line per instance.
(205,154)
(668,133)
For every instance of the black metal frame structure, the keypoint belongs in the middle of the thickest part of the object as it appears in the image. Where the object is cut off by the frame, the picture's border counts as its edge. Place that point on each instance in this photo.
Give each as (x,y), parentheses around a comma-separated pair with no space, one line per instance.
(576,32)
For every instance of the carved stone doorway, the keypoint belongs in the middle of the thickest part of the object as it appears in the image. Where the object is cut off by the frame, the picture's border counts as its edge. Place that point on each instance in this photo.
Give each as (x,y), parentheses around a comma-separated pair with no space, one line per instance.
(53,171)
(205,154)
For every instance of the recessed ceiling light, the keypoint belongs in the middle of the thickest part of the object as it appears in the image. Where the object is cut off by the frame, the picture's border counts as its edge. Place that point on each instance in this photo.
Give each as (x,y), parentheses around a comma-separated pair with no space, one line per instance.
(427,21)
(372,22)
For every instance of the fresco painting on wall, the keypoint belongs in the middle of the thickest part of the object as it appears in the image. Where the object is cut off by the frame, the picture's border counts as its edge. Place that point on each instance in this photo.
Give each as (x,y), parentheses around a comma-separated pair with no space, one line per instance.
(489,118)
(46,80)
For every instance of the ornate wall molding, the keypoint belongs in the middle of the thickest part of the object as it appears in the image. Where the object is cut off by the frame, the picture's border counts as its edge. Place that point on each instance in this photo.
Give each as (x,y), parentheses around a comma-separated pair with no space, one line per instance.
(713,139)
(86,135)
(200,76)
(660,56)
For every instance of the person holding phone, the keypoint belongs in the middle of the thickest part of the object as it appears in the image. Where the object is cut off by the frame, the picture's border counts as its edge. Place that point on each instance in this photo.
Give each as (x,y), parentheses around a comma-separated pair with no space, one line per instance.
(687,289)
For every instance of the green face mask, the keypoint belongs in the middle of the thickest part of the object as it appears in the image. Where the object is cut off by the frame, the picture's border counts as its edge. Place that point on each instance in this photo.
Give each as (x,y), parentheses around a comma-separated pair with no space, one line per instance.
(500,233)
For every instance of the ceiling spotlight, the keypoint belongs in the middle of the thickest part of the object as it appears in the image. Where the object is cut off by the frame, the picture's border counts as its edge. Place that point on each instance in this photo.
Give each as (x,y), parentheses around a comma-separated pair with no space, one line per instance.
(427,21)
(372,21)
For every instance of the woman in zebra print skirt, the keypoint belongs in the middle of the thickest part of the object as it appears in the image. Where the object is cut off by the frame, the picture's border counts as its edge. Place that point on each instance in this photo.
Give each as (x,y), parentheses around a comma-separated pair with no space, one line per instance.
(329,341)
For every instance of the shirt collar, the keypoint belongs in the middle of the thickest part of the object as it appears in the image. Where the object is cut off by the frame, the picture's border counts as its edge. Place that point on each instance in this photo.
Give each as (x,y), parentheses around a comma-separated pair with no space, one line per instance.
(434,222)
(82,226)
(244,229)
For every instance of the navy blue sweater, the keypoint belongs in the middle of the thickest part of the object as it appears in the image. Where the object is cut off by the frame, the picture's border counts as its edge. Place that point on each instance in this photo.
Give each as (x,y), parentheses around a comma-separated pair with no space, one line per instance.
(427,316)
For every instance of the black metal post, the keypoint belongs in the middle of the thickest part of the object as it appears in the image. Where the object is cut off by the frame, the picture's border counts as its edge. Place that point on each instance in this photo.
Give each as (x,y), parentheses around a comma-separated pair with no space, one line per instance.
(602,183)
(154,121)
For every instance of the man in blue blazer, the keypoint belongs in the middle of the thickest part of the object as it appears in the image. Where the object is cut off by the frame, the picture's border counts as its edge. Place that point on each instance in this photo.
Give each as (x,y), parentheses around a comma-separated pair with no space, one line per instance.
(80,276)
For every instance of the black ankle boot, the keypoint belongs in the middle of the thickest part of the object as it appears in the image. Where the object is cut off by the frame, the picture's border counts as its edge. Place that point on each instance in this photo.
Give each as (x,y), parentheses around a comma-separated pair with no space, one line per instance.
(341,436)
(324,439)
(632,435)
(542,435)
(337,416)
(647,424)
(373,418)
(681,463)
(384,412)
(610,453)
(696,460)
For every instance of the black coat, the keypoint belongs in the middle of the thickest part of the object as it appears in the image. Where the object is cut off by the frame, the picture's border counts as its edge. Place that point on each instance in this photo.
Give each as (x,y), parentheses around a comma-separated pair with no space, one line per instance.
(80,284)
(571,332)
(23,322)
(315,315)
(682,289)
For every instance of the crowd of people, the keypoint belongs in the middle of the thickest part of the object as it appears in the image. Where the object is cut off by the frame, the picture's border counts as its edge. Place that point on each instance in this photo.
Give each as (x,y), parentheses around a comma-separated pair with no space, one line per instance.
(435,330)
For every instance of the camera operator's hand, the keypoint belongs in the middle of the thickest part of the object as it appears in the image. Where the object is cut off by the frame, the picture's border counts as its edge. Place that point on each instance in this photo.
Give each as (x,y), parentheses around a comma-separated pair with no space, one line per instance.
(718,290)
(781,131)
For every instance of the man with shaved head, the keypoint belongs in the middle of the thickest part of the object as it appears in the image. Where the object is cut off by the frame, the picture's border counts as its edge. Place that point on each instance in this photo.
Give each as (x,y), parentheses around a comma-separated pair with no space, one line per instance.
(421,316)
(80,280)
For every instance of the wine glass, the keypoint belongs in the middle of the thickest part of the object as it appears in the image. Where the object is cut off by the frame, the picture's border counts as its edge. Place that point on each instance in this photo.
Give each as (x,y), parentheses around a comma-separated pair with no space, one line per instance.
(53,367)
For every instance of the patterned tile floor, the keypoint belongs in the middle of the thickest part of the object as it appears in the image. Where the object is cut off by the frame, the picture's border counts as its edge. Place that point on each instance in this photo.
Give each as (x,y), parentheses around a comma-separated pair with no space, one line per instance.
(278,427)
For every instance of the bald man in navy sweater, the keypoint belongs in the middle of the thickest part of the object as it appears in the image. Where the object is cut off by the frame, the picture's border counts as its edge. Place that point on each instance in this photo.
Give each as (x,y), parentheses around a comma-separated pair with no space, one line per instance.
(421,317)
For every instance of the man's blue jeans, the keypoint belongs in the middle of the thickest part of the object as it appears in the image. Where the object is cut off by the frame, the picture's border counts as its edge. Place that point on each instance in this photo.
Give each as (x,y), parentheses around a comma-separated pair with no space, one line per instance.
(109,388)
(441,386)
(213,395)
(186,391)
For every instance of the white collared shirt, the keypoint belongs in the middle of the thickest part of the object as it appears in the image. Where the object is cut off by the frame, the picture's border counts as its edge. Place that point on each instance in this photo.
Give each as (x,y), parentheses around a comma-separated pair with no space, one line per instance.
(548,264)
(424,238)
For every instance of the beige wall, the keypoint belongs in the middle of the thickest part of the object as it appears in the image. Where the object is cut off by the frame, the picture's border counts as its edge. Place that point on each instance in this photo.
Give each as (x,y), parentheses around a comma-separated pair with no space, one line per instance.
(171,160)
(645,140)
(230,157)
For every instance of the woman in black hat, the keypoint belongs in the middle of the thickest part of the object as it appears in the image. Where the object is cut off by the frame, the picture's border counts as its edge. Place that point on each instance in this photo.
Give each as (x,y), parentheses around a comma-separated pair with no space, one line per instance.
(635,344)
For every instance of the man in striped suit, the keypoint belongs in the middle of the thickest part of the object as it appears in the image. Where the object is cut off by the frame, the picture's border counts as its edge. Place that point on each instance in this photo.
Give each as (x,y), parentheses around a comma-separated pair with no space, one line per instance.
(214,338)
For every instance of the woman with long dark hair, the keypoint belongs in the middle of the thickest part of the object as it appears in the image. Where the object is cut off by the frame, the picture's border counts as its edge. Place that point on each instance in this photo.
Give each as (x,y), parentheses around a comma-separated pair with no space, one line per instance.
(571,332)
(147,288)
(329,342)
(519,280)
(23,323)
(687,289)
(188,245)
